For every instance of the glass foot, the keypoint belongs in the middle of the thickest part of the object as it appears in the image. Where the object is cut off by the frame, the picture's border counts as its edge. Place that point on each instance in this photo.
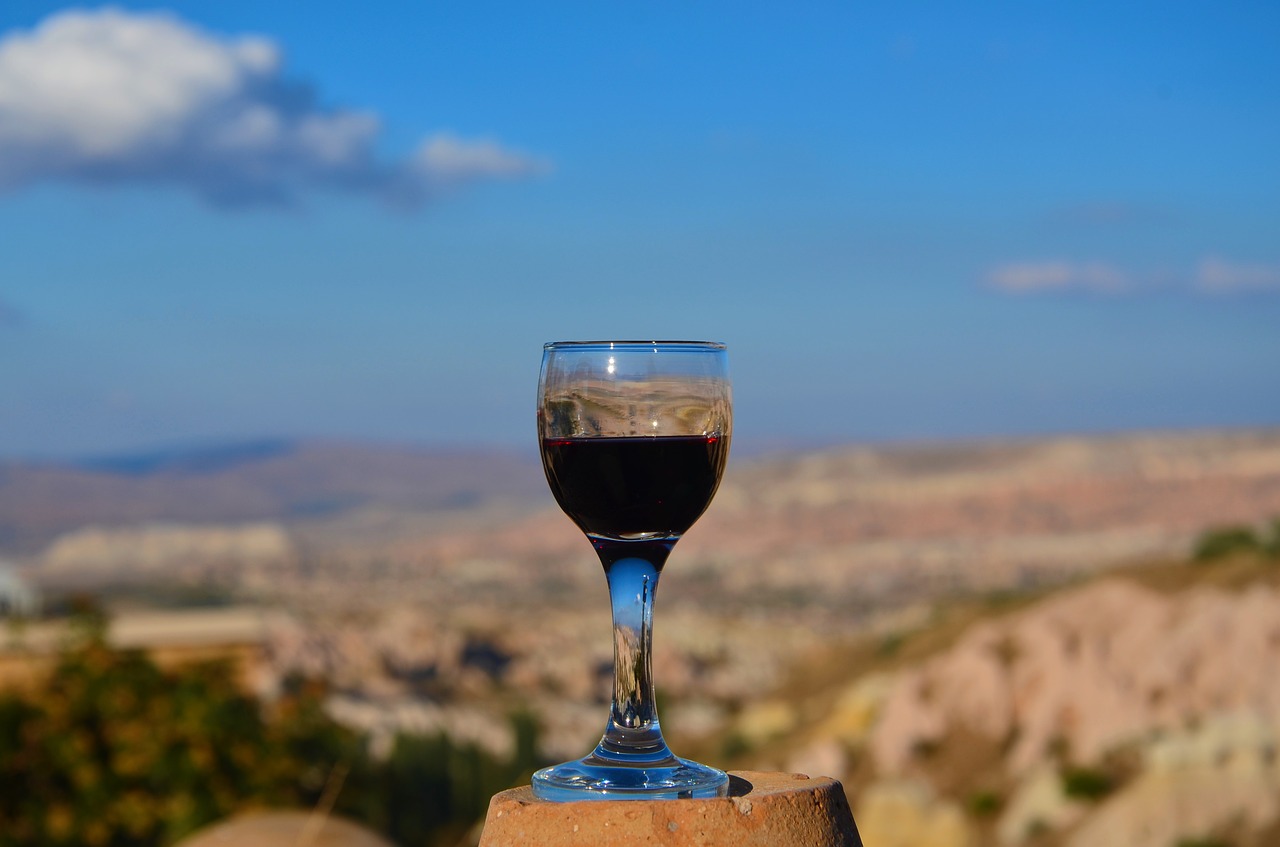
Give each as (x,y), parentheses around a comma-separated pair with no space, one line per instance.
(594,778)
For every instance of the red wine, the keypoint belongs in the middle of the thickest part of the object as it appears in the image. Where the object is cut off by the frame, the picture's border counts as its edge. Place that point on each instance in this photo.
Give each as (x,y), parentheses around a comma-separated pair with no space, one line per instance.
(637,487)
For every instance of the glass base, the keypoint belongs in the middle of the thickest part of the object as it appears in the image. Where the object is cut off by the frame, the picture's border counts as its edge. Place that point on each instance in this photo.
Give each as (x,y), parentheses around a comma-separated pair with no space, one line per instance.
(594,778)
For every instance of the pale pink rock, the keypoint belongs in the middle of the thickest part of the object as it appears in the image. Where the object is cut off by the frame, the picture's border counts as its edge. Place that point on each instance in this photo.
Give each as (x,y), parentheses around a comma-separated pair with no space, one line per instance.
(824,756)
(1038,801)
(1222,774)
(1092,668)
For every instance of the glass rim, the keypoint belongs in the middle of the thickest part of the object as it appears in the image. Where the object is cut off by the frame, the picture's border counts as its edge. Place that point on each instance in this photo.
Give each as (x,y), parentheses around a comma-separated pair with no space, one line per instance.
(635,344)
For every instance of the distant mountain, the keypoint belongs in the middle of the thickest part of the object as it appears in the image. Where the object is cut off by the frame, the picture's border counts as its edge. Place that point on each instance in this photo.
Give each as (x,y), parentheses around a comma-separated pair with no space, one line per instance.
(202,459)
(252,481)
(956,511)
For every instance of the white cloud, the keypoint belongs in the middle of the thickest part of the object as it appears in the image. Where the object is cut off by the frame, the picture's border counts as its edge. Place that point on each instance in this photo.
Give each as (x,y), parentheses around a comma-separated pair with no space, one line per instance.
(448,158)
(1033,277)
(1221,277)
(112,96)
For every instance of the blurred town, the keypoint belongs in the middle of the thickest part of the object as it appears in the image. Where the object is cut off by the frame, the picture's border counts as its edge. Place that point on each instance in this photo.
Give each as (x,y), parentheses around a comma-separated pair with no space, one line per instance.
(1055,641)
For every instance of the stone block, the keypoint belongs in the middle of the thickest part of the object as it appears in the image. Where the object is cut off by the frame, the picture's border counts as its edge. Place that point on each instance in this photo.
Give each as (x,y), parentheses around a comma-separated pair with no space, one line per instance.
(762,810)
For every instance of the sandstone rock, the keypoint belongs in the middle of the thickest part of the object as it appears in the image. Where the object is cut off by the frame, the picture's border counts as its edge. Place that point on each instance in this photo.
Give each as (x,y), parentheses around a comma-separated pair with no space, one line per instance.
(855,712)
(1093,668)
(909,814)
(121,552)
(761,722)
(766,810)
(1039,801)
(381,721)
(823,756)
(1224,773)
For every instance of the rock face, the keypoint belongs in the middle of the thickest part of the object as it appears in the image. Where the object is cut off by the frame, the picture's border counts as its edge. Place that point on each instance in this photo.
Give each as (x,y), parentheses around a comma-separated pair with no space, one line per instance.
(766,810)
(1039,803)
(908,814)
(133,551)
(1090,669)
(1223,773)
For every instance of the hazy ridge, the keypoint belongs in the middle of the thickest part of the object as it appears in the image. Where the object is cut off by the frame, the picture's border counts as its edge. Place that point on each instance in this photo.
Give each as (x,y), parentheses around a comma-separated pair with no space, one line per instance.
(276,480)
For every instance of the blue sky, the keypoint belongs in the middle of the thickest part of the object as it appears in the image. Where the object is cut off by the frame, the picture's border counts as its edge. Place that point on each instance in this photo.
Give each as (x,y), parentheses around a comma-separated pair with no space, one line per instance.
(225,220)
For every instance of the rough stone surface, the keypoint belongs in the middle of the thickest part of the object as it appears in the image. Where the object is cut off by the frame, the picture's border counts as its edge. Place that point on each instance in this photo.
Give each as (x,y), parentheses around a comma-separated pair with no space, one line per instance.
(763,810)
(284,829)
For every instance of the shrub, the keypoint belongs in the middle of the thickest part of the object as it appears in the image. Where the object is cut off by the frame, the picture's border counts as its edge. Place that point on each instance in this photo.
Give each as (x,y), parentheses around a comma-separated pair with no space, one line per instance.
(1225,541)
(1083,783)
(735,745)
(117,753)
(1271,544)
(983,804)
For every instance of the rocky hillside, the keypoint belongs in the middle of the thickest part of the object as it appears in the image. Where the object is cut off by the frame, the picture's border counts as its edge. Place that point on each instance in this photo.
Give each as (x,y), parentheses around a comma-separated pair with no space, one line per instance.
(1136,710)
(933,624)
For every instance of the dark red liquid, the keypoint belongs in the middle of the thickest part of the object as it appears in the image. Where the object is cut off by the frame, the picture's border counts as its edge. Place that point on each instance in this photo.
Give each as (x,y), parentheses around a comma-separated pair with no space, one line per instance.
(635,487)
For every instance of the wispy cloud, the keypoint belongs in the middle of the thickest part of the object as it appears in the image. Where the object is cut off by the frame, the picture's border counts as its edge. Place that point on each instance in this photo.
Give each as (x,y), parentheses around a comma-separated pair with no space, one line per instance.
(448,158)
(1218,276)
(1212,275)
(1034,277)
(114,97)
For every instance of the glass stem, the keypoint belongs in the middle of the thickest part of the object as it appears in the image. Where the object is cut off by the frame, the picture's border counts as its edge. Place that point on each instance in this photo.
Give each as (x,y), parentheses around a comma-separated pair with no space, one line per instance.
(632,569)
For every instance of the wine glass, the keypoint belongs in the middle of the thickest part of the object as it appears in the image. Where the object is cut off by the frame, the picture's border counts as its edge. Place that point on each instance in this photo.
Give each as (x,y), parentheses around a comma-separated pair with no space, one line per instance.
(634,438)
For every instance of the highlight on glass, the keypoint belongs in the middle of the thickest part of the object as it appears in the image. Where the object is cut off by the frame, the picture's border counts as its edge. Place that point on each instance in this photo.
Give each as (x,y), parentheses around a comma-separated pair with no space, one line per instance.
(634,437)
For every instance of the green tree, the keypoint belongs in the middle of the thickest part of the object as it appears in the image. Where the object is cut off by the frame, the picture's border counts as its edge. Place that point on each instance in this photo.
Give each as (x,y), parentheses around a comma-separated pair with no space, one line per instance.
(117,753)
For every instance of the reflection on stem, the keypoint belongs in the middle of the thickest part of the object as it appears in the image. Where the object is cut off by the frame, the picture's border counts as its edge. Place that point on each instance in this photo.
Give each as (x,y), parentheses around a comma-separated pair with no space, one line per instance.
(632,569)
(632,642)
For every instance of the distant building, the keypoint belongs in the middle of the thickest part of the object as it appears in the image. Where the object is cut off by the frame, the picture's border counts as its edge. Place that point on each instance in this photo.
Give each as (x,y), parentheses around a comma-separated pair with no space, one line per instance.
(17,598)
